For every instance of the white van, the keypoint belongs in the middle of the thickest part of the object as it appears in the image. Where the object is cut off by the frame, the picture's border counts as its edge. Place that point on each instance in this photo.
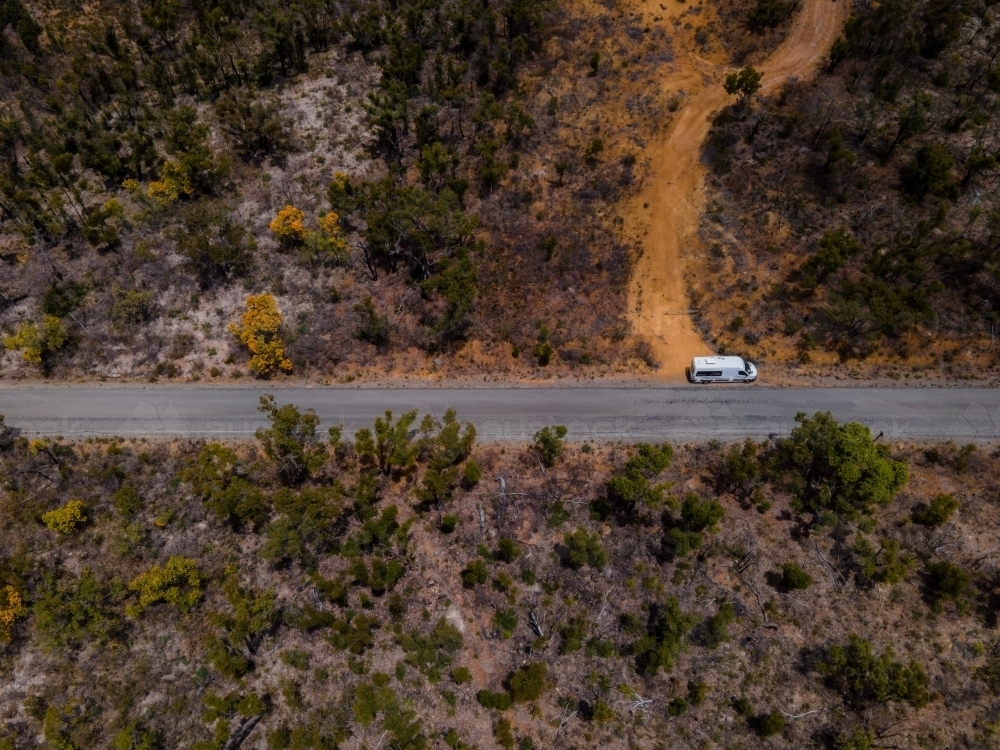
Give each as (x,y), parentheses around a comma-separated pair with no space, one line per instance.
(722,370)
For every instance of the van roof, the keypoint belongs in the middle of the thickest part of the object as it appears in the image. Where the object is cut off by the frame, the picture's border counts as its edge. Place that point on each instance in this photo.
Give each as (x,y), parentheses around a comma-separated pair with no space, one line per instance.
(718,362)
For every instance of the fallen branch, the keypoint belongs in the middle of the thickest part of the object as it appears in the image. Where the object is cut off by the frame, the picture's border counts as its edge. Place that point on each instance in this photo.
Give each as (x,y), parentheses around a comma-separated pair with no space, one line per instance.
(807,713)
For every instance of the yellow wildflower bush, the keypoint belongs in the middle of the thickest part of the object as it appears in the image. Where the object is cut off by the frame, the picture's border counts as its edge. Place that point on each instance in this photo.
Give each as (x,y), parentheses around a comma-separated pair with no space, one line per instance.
(130,184)
(178,582)
(289,225)
(67,519)
(259,331)
(11,609)
(35,342)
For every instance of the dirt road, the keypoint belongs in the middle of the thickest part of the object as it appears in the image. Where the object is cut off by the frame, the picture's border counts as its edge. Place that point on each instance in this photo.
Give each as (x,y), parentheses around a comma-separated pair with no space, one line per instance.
(669,210)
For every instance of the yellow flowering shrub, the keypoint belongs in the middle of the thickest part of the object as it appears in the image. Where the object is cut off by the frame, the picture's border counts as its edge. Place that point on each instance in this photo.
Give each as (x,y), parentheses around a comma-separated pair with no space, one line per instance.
(259,331)
(329,243)
(36,341)
(11,608)
(67,519)
(130,185)
(289,225)
(178,582)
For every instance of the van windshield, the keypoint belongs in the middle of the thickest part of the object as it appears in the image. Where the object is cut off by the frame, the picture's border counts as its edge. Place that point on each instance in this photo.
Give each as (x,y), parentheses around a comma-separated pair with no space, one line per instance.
(746,365)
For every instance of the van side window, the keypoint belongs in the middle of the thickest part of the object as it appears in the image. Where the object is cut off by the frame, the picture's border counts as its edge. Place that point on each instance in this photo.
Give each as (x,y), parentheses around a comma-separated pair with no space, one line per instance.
(709,374)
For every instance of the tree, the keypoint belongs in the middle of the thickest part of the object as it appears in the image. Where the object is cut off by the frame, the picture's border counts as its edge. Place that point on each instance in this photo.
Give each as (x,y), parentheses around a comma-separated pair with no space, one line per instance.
(743,85)
(259,331)
(219,478)
(291,441)
(836,467)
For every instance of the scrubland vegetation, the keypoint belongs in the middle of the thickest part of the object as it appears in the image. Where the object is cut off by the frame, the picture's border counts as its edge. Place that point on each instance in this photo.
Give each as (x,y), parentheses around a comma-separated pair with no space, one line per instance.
(405,587)
(854,218)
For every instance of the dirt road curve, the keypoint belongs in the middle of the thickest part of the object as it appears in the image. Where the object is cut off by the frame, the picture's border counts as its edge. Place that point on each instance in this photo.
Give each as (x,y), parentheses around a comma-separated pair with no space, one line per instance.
(509,414)
(675,194)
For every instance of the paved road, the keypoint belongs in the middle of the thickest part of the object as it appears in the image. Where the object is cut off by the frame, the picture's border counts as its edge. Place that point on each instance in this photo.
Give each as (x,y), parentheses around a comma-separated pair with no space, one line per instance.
(511,414)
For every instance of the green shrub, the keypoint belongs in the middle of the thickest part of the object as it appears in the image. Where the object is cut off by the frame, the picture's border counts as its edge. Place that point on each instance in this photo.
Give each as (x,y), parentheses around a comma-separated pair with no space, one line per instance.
(885,565)
(528,683)
(684,535)
(497,701)
(296,658)
(69,613)
(353,633)
(448,524)
(474,574)
(461,675)
(631,485)
(717,626)
(601,712)
(127,501)
(947,581)
(505,620)
(937,513)
(573,632)
(865,679)
(508,550)
(216,477)
(471,474)
(794,577)
(664,639)
(549,444)
(585,549)
(929,171)
(432,653)
(771,724)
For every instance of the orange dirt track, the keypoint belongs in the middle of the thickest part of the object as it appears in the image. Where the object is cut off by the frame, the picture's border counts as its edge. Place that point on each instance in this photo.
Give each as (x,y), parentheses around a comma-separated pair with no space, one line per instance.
(675,192)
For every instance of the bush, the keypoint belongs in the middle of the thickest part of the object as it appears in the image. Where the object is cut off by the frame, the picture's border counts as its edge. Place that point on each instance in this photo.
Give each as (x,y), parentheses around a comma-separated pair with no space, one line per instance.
(771,724)
(549,444)
(72,612)
(884,565)
(289,225)
(794,577)
(865,679)
(508,550)
(505,620)
(474,574)
(717,626)
(947,581)
(664,640)
(67,519)
(372,327)
(632,484)
(929,171)
(528,683)
(497,701)
(471,474)
(684,535)
(461,675)
(585,549)
(178,582)
(937,513)
(127,501)
(448,524)
(11,609)
(259,331)
(38,343)
(573,632)
(601,712)
(292,441)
